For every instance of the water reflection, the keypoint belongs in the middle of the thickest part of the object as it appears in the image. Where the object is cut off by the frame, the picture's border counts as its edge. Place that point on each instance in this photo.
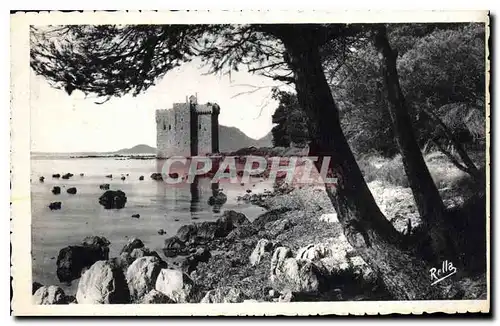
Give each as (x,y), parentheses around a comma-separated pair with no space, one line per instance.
(194,189)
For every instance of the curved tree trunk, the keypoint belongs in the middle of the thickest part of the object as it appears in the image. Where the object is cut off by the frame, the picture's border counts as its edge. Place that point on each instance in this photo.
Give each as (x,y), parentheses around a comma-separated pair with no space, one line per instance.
(427,197)
(366,228)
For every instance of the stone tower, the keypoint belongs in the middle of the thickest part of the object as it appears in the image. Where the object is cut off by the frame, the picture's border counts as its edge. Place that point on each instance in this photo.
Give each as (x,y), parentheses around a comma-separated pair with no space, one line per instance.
(188,129)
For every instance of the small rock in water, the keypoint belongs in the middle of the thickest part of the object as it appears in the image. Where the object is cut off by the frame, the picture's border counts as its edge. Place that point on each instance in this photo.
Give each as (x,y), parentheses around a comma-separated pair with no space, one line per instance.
(67,176)
(81,174)
(113,199)
(161,232)
(71,190)
(55,205)
(136,215)
(41,179)
(249,191)
(176,219)
(57,175)
(141,178)
(56,190)
(104,186)
(109,176)
(156,176)
(123,178)
(219,199)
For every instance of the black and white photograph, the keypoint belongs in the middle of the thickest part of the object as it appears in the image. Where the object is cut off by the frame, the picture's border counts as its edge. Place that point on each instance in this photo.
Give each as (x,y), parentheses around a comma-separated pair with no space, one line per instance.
(254,164)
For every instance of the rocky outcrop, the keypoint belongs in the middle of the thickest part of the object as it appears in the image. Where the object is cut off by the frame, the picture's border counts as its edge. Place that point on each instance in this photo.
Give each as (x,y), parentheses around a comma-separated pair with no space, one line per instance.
(299,276)
(46,295)
(131,245)
(223,295)
(56,190)
(190,263)
(154,296)
(136,215)
(56,175)
(104,186)
(270,216)
(235,219)
(173,247)
(55,205)
(242,232)
(176,285)
(112,199)
(157,176)
(95,240)
(72,260)
(110,176)
(187,232)
(162,232)
(141,178)
(103,283)
(41,179)
(71,190)
(262,248)
(141,276)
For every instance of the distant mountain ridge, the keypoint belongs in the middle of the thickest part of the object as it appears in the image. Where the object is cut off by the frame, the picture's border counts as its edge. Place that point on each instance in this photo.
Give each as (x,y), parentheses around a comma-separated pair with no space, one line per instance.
(230,139)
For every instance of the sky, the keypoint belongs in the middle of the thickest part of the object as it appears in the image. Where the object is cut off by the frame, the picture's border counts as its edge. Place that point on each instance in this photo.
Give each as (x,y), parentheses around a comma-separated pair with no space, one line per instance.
(63,123)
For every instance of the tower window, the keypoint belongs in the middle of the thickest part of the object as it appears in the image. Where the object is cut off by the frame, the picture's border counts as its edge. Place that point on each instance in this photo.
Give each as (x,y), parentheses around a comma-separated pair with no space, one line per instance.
(164,126)
(169,127)
(200,126)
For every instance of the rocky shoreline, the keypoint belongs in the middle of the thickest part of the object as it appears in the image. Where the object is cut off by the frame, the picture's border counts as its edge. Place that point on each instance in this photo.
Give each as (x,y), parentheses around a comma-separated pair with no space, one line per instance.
(296,251)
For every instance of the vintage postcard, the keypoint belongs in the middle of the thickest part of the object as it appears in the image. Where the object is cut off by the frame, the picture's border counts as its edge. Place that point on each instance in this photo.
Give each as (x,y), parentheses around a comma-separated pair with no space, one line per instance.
(250,163)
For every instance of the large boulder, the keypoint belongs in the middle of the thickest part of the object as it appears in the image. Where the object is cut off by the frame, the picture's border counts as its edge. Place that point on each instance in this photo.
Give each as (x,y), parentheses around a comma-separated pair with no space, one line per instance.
(49,295)
(132,244)
(95,240)
(313,252)
(103,283)
(113,199)
(176,285)
(35,286)
(278,258)
(190,263)
(224,294)
(299,276)
(262,248)
(141,276)
(174,246)
(72,260)
(187,232)
(154,296)
(234,218)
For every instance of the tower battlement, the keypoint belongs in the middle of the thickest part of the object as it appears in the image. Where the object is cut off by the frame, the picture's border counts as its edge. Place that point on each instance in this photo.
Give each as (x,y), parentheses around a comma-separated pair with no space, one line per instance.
(187,129)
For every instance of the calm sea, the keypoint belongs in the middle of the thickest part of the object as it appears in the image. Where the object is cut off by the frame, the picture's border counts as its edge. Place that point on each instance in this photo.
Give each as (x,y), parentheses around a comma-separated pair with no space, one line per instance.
(160,207)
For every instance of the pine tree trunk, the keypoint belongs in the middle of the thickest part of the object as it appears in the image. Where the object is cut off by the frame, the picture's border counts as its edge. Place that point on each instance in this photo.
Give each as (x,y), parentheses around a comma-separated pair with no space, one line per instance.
(366,228)
(427,197)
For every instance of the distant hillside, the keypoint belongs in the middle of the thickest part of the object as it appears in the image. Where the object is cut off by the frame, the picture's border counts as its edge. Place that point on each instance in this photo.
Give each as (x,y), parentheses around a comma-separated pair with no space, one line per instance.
(138,149)
(232,139)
